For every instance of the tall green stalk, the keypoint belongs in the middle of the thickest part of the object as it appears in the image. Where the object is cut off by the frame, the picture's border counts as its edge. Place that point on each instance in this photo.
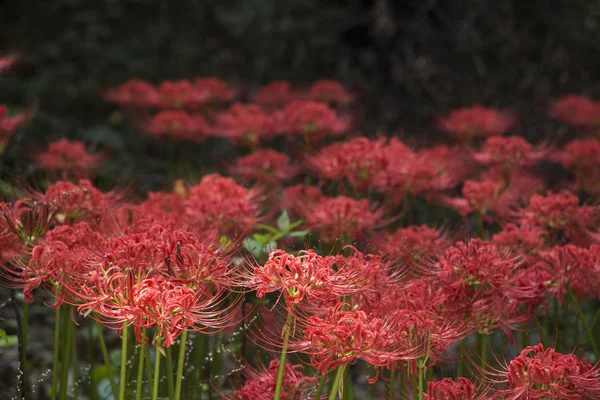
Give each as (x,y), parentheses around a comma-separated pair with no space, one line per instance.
(320,387)
(55,358)
(140,373)
(24,363)
(156,374)
(109,368)
(65,357)
(336,382)
(170,385)
(586,326)
(286,339)
(180,362)
(123,370)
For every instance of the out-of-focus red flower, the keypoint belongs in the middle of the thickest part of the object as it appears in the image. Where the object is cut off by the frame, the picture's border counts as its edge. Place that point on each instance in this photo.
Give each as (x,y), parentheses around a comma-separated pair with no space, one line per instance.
(450,389)
(275,95)
(216,90)
(539,373)
(69,157)
(582,158)
(330,92)
(298,198)
(358,160)
(181,94)
(134,93)
(178,125)
(508,153)
(477,121)
(561,217)
(265,165)
(410,245)
(220,203)
(260,384)
(8,62)
(342,218)
(519,240)
(312,120)
(10,124)
(245,124)
(577,110)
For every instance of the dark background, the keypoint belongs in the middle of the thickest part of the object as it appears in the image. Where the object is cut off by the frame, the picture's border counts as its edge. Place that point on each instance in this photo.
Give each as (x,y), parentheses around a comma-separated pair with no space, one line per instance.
(408,59)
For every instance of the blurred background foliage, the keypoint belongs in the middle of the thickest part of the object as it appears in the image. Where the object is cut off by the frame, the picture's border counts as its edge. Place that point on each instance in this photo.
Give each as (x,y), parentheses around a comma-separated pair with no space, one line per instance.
(409,59)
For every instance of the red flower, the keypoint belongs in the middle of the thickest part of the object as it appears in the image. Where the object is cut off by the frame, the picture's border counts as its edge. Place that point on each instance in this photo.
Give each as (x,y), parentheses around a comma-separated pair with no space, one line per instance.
(331,92)
(8,62)
(274,95)
(214,89)
(477,121)
(410,245)
(264,165)
(312,120)
(70,157)
(178,125)
(508,152)
(449,389)
(342,218)
(260,385)
(220,203)
(297,199)
(134,93)
(577,111)
(181,94)
(539,373)
(10,124)
(245,124)
(582,158)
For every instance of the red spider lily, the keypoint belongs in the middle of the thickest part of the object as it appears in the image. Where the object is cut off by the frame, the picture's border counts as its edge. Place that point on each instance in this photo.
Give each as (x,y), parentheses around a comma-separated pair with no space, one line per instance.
(311,278)
(260,384)
(266,166)
(298,198)
(508,153)
(519,240)
(410,245)
(178,125)
(70,157)
(331,92)
(582,157)
(574,268)
(479,198)
(477,121)
(182,94)
(134,93)
(312,120)
(8,125)
(342,218)
(275,95)
(245,124)
(560,216)
(358,160)
(341,337)
(78,202)
(450,389)
(218,202)
(577,111)
(478,282)
(8,62)
(539,373)
(216,90)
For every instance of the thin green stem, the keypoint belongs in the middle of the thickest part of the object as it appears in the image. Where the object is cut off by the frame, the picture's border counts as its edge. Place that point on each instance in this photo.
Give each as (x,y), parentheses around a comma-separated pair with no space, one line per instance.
(109,369)
(286,338)
(140,373)
(123,371)
(390,385)
(336,382)
(156,374)
(57,321)
(74,357)
(24,345)
(65,357)
(320,387)
(180,362)
(148,367)
(482,347)
(596,319)
(170,385)
(421,381)
(403,383)
(586,326)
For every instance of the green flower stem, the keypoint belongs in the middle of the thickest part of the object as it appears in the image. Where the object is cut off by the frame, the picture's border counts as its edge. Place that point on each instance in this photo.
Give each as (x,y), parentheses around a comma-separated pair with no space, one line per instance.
(156,375)
(106,358)
(482,347)
(65,356)
(55,357)
(286,339)
(24,344)
(390,385)
(320,387)
(123,371)
(148,367)
(180,362)
(140,373)
(336,382)
(421,381)
(74,356)
(347,384)
(586,326)
(170,385)
(403,383)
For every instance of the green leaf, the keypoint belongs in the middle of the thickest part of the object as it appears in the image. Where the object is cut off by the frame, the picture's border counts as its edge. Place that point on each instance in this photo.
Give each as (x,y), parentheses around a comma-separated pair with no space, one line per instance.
(268,228)
(283,222)
(253,246)
(4,336)
(262,239)
(269,247)
(298,233)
